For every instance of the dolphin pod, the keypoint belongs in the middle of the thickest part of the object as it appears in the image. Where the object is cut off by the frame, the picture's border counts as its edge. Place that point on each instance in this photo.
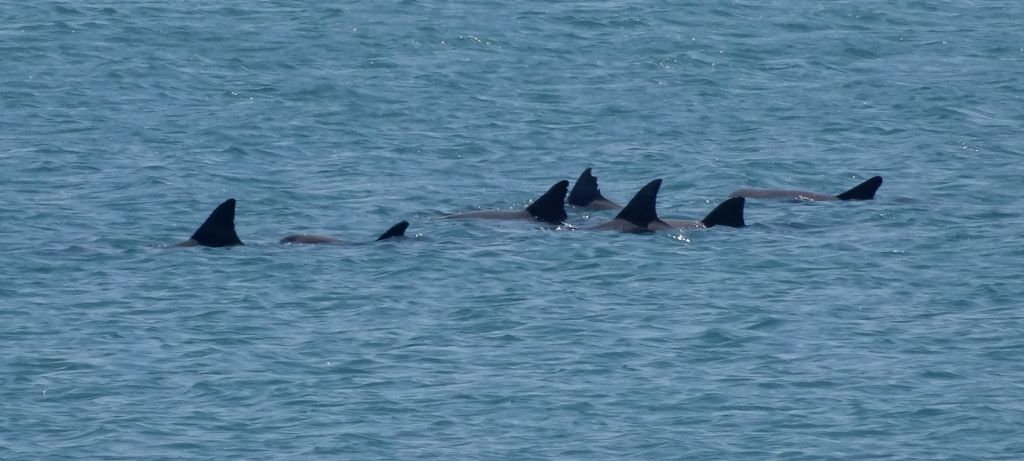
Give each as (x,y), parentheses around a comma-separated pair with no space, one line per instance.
(638,216)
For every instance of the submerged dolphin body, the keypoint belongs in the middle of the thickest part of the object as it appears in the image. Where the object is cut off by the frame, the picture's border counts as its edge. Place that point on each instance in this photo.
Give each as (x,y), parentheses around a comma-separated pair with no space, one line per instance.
(863,191)
(398,230)
(586,194)
(218,230)
(640,214)
(549,208)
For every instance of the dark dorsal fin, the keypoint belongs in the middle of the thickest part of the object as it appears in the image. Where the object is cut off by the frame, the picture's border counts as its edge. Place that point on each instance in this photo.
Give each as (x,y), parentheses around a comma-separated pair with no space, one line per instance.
(863,191)
(728,213)
(641,208)
(550,207)
(219,228)
(585,190)
(398,230)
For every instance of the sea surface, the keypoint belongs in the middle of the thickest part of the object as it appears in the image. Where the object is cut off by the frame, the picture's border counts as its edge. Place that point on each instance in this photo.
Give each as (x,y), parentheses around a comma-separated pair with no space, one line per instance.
(884,329)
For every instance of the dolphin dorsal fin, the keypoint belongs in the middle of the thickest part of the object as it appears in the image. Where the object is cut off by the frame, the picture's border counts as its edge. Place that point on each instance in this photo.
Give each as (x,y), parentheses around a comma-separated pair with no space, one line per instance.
(640,210)
(863,191)
(585,190)
(550,207)
(219,228)
(728,213)
(398,230)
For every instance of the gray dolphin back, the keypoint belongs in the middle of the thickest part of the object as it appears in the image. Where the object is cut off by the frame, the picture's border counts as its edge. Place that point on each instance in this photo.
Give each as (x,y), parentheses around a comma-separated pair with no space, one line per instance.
(728,213)
(863,191)
(640,210)
(219,228)
(398,230)
(550,207)
(585,190)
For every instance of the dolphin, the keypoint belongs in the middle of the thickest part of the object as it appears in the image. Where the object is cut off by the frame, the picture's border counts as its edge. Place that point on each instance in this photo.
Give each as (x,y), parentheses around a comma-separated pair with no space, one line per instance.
(863,191)
(218,230)
(640,215)
(549,208)
(585,194)
(398,230)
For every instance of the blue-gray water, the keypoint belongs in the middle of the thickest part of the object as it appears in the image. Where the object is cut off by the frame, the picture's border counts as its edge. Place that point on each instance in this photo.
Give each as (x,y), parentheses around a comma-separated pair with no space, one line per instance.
(887,329)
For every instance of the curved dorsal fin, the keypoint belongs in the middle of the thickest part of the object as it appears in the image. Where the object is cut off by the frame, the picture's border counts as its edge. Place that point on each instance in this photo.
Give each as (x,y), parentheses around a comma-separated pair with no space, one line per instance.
(398,230)
(640,210)
(550,207)
(219,228)
(585,190)
(728,213)
(863,191)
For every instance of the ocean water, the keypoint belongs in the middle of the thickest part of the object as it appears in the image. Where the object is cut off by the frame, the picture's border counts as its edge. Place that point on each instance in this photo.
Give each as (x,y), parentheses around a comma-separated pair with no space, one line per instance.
(885,329)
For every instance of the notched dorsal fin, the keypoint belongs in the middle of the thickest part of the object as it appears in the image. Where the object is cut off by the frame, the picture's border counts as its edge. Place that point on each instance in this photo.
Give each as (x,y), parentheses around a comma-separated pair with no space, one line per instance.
(864,191)
(219,228)
(585,190)
(398,230)
(728,213)
(550,207)
(641,208)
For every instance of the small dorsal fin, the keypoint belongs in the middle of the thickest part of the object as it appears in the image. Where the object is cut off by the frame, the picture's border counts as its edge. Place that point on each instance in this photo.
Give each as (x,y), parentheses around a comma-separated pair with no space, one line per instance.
(398,230)
(585,190)
(550,207)
(640,210)
(219,228)
(728,213)
(863,191)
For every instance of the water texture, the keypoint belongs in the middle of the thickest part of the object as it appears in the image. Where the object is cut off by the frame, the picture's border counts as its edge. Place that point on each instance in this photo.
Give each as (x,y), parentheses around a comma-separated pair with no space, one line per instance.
(886,329)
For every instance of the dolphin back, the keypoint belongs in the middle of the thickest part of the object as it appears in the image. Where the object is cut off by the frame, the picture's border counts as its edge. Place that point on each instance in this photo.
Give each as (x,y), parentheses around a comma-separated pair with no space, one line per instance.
(863,191)
(219,228)
(550,207)
(398,230)
(640,210)
(728,213)
(585,190)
